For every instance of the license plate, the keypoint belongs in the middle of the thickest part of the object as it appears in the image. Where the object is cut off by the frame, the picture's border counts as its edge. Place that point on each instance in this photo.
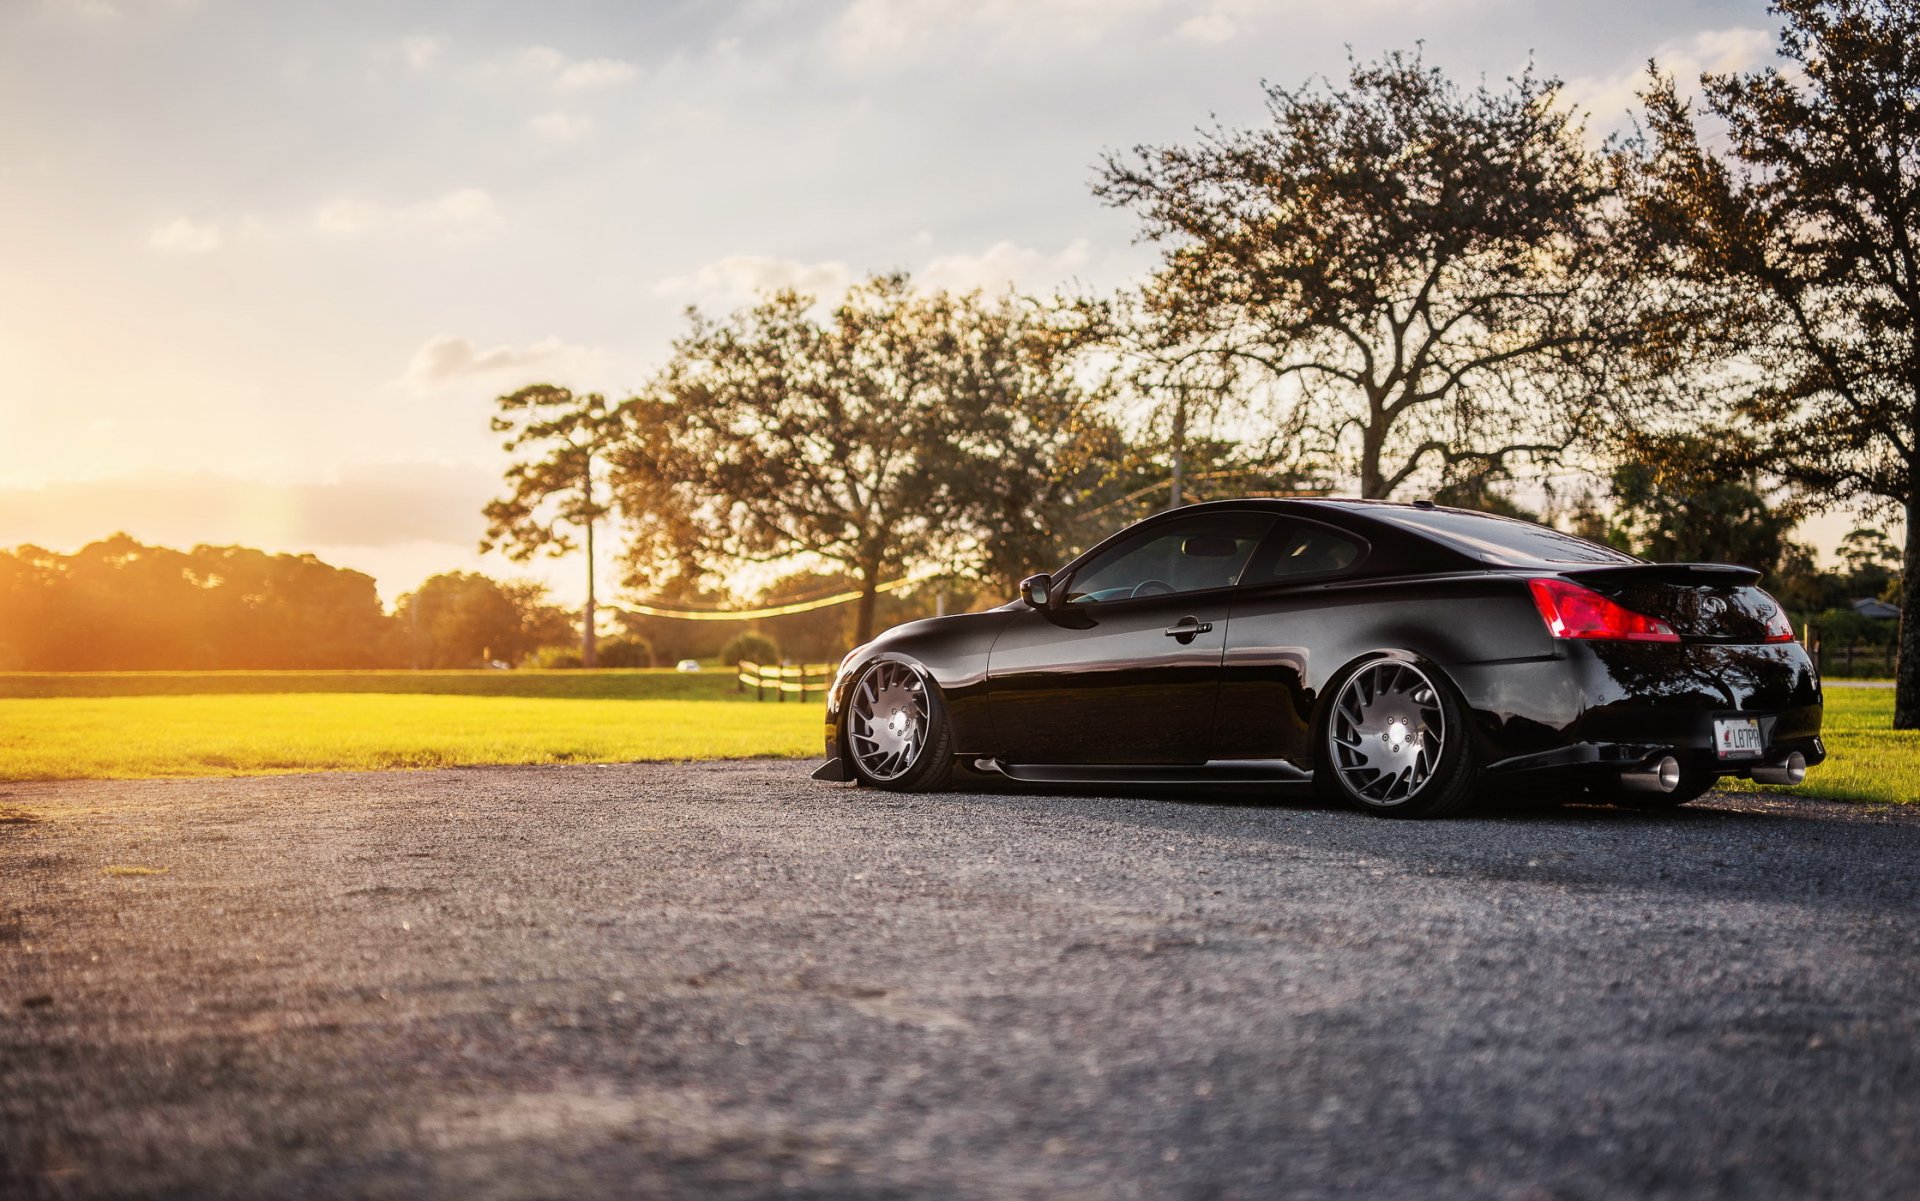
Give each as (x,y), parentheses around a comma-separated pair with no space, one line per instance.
(1738,738)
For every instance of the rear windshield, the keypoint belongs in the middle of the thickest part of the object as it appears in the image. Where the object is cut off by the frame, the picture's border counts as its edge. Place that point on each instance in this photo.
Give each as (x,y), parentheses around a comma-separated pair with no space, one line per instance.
(1501,541)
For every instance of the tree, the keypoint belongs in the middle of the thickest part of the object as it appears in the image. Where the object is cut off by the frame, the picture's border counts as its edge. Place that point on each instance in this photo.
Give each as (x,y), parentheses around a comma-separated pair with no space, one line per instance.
(464,619)
(563,436)
(1872,563)
(1414,274)
(1038,450)
(1803,588)
(875,442)
(1790,260)
(1688,498)
(118,604)
(810,635)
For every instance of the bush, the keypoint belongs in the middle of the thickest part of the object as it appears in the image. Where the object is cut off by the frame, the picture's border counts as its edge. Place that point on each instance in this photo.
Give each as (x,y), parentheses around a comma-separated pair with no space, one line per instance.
(554,657)
(629,650)
(755,648)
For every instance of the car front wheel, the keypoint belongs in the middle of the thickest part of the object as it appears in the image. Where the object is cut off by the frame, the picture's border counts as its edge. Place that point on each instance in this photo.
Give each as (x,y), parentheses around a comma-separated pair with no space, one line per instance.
(1395,743)
(896,730)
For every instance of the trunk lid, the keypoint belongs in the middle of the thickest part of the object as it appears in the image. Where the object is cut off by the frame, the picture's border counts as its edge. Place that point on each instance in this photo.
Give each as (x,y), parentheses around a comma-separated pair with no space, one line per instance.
(1703,602)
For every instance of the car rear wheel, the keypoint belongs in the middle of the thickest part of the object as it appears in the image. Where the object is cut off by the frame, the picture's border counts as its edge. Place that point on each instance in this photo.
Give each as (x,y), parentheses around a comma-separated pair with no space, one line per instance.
(1394,742)
(896,730)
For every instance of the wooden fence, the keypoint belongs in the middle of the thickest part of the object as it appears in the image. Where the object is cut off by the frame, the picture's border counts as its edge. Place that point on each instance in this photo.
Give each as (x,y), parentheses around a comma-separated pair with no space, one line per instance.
(784,680)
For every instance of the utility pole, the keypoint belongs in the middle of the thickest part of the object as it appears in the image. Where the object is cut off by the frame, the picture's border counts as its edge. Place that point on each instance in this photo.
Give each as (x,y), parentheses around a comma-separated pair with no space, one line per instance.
(588,656)
(1179,444)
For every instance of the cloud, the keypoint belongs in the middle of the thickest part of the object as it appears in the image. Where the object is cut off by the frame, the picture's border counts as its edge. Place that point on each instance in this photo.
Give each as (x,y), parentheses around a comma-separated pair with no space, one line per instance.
(1609,98)
(540,58)
(422,49)
(463,208)
(594,73)
(562,127)
(448,359)
(1209,27)
(1003,265)
(460,213)
(741,277)
(574,75)
(463,212)
(184,235)
(92,11)
(99,12)
(879,32)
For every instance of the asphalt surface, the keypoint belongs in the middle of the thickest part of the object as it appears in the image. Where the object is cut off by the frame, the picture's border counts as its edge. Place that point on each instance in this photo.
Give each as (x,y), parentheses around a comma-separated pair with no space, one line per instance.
(725,981)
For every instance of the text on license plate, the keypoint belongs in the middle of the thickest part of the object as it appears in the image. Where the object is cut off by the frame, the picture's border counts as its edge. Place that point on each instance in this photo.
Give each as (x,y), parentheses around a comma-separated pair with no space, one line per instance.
(1737,738)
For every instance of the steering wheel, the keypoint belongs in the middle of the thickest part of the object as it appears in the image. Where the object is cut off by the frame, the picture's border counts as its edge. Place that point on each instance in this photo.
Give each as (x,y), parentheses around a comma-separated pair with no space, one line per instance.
(1153,588)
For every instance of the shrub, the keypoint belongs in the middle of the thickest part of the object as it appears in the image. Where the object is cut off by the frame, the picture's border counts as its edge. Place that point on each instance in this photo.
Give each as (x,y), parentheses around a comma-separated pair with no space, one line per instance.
(628,650)
(755,648)
(553,657)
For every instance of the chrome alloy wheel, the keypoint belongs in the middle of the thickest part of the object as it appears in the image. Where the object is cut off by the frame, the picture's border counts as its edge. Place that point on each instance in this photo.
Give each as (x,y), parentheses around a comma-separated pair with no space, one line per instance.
(1388,731)
(887,721)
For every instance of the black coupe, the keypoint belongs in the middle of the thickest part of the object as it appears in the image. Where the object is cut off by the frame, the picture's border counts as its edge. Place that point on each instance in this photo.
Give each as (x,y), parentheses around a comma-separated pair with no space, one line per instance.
(1399,656)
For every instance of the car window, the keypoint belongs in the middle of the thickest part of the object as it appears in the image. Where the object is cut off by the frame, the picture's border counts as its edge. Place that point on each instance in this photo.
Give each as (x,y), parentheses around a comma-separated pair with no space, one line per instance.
(1184,555)
(1304,550)
(1502,541)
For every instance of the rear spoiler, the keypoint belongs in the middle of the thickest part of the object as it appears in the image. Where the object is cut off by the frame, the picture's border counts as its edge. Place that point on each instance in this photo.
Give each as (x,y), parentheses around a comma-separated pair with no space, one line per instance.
(1726,575)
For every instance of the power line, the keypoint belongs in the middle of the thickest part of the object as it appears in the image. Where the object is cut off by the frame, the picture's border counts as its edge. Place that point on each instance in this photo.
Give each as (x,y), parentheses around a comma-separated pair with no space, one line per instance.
(807,606)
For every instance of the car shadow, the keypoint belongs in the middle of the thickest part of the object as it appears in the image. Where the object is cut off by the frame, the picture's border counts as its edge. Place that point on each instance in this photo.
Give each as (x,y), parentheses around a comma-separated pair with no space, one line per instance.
(1726,845)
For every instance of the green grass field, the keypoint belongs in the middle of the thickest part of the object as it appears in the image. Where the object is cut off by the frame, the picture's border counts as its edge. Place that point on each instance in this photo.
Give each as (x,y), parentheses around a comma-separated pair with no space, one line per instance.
(136,725)
(144,724)
(1867,759)
(714,684)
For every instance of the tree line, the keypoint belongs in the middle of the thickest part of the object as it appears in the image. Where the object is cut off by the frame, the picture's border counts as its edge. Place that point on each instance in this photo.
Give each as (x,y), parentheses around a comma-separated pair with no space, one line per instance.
(1391,286)
(120,605)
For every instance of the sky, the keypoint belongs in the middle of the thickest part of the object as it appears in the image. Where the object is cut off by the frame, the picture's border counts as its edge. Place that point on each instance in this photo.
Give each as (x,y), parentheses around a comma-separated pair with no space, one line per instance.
(266,265)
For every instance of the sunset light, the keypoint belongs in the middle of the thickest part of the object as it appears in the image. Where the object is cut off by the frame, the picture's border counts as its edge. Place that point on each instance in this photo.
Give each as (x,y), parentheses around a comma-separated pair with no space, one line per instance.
(1072,600)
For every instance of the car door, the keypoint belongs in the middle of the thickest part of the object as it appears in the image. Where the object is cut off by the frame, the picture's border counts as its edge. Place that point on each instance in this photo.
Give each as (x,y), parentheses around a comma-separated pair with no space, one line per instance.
(1124,665)
(1290,606)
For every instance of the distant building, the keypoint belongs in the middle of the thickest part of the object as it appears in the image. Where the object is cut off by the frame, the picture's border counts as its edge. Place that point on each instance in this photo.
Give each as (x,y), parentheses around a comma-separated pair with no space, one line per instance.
(1866,606)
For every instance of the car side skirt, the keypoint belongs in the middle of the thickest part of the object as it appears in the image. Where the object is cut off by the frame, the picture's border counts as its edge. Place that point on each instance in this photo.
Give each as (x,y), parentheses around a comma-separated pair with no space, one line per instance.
(1214,771)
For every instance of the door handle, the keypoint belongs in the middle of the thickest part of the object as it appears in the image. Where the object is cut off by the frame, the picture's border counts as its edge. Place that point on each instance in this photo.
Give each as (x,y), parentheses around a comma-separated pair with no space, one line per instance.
(1187,629)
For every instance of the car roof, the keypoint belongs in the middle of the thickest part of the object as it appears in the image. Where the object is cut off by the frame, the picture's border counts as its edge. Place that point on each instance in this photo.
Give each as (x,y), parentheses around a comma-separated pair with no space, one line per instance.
(1484,539)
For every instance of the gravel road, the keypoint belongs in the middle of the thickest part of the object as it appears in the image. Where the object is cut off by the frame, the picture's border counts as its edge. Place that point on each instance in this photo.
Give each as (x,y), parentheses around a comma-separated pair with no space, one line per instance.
(725,981)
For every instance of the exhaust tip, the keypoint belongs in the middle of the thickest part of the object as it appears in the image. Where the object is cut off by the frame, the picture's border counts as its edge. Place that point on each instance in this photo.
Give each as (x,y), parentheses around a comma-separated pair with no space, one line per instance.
(1791,770)
(1662,775)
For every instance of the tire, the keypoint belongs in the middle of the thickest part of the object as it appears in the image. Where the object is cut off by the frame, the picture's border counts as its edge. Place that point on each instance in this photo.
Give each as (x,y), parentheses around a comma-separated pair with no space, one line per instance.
(1691,788)
(896,732)
(1374,742)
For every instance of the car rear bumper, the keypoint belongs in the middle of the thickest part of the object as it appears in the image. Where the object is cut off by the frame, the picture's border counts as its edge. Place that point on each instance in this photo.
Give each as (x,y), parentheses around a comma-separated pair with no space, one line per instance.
(1614,757)
(1614,706)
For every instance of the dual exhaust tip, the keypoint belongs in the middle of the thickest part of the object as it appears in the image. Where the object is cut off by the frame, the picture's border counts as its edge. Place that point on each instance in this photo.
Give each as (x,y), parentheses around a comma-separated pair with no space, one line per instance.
(1663,774)
(1790,770)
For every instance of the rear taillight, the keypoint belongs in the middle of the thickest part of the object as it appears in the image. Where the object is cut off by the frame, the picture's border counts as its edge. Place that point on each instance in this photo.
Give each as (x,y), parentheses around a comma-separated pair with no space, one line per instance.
(1779,627)
(1571,611)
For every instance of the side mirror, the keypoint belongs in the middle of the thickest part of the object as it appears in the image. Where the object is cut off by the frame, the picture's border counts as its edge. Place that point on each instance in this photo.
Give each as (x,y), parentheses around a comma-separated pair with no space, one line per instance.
(1037,590)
